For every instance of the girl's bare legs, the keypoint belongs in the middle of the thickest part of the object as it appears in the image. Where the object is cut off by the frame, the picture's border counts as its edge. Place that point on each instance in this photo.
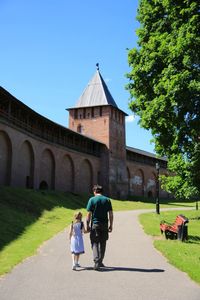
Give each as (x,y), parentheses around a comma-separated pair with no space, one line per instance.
(73,261)
(76,258)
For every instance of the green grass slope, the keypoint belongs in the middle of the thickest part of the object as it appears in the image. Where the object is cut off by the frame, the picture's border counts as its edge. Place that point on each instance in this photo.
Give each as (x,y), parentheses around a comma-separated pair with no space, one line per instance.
(28,218)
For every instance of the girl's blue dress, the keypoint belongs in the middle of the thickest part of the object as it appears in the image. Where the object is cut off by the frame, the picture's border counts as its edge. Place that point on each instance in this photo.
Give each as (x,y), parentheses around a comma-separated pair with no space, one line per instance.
(77,245)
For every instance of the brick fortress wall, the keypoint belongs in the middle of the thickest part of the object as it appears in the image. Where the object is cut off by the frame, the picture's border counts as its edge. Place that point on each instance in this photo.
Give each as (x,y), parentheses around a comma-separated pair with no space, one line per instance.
(37,153)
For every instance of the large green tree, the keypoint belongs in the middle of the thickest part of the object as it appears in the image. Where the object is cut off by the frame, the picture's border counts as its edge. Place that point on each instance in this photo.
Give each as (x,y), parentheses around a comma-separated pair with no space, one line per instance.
(164,81)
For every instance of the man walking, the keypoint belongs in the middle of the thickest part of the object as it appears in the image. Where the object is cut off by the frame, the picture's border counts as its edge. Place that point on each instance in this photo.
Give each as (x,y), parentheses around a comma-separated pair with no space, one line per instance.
(100,215)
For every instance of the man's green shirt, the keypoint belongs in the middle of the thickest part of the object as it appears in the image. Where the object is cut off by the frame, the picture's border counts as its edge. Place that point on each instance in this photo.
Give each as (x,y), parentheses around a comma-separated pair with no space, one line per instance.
(99,205)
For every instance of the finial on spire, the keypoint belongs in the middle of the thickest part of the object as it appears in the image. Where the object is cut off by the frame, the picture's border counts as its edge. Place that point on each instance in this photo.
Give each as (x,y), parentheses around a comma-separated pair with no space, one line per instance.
(97,65)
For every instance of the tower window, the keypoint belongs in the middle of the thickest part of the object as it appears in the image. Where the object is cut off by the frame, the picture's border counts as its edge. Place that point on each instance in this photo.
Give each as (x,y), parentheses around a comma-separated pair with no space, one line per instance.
(80,128)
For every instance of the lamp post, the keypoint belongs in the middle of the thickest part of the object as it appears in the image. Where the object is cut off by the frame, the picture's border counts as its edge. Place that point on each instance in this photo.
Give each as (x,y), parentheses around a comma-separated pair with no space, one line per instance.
(157,189)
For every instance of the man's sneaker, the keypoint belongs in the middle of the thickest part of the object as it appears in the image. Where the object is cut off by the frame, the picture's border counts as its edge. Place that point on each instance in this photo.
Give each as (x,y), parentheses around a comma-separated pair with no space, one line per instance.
(96,266)
(74,267)
(101,265)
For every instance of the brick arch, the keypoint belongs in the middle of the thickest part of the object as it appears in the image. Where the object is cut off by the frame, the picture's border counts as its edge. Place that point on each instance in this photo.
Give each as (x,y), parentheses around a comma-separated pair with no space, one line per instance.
(151,185)
(85,177)
(5,158)
(138,182)
(47,170)
(68,174)
(25,165)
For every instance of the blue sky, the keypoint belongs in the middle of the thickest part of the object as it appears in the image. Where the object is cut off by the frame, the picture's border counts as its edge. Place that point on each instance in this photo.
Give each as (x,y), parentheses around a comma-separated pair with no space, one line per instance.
(49,50)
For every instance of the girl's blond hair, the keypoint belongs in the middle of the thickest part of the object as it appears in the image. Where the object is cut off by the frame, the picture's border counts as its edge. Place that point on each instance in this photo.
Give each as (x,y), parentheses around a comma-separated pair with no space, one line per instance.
(78,216)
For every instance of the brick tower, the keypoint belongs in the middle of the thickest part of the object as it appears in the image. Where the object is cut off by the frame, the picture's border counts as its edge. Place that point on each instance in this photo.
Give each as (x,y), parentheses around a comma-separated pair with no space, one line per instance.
(97,116)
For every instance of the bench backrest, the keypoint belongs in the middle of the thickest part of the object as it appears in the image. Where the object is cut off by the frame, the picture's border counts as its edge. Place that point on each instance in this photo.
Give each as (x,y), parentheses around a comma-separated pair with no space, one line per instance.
(181,220)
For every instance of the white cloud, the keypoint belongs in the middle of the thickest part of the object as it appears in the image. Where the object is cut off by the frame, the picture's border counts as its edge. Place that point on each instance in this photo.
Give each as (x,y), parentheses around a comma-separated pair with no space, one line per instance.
(130,118)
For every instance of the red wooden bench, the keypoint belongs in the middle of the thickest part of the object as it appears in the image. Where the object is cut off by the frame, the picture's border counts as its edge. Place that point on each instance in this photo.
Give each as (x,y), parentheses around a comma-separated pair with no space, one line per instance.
(176,230)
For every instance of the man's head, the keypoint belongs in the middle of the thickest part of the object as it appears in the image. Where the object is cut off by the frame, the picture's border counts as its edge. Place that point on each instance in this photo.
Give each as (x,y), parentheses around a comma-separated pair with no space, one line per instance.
(97,189)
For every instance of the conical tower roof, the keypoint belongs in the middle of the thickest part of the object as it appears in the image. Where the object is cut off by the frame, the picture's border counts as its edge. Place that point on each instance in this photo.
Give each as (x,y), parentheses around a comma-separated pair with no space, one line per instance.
(96,93)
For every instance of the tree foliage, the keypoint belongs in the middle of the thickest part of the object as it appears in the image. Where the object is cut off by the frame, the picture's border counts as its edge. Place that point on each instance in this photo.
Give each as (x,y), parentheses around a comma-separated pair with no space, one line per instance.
(164,81)
(195,167)
(180,184)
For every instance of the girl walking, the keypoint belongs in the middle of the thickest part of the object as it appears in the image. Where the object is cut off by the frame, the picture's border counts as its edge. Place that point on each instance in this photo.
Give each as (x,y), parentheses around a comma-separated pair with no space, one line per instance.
(76,239)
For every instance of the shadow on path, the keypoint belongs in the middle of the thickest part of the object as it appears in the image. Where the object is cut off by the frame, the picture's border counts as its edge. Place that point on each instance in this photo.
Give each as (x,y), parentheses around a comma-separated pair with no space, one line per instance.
(109,269)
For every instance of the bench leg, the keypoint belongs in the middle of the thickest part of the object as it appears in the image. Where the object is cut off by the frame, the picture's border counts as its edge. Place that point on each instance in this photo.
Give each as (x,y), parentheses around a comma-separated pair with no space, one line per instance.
(170,235)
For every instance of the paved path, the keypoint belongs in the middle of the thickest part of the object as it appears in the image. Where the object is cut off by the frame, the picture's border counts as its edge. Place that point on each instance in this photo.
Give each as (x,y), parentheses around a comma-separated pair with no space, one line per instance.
(135,271)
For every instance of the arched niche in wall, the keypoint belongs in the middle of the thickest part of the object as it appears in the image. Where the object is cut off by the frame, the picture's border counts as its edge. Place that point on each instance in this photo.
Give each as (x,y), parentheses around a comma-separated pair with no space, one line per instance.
(47,169)
(25,165)
(138,183)
(5,158)
(67,175)
(85,177)
(151,186)
(43,185)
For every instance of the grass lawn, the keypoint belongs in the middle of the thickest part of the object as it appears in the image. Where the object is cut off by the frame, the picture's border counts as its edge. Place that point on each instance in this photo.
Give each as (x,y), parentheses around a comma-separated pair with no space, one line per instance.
(146,203)
(183,255)
(29,217)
